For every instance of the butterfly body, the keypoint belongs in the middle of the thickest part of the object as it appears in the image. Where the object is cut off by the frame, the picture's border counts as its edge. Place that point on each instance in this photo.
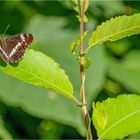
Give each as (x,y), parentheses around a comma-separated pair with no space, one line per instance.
(13,48)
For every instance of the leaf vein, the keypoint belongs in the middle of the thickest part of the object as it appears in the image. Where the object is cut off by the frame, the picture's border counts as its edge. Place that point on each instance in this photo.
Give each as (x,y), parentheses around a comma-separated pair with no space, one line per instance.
(69,94)
(119,121)
(104,39)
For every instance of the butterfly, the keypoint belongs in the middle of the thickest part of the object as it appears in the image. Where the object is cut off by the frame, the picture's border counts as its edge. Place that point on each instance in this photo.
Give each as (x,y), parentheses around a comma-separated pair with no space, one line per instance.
(13,48)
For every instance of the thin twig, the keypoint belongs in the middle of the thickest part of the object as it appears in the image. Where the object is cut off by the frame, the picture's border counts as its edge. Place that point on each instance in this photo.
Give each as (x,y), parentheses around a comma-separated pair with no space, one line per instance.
(82,74)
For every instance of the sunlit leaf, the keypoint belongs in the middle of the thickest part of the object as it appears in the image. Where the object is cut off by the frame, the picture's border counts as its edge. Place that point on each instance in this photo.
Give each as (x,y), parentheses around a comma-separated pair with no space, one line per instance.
(38,101)
(85,18)
(100,115)
(117,118)
(41,70)
(116,28)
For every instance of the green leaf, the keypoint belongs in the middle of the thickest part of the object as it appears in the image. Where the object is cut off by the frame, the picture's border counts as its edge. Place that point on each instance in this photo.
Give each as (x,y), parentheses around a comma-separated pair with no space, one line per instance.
(40,70)
(76,43)
(46,104)
(77,4)
(100,115)
(117,118)
(116,28)
(40,102)
(60,51)
(85,18)
(87,62)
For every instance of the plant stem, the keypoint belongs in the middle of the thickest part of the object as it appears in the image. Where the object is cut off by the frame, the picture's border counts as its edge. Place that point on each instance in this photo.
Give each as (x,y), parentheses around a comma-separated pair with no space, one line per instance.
(82,75)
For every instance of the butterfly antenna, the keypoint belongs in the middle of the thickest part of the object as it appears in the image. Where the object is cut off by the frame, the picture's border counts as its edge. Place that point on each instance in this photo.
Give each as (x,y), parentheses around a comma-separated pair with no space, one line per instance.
(5,30)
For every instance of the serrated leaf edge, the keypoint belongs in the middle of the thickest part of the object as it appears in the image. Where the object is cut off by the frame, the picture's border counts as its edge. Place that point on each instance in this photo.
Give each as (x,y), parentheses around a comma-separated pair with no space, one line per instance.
(101,41)
(120,120)
(65,93)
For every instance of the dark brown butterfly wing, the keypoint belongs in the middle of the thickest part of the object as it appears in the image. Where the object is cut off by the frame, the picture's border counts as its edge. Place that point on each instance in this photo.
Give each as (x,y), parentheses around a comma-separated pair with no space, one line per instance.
(16,45)
(13,48)
(3,51)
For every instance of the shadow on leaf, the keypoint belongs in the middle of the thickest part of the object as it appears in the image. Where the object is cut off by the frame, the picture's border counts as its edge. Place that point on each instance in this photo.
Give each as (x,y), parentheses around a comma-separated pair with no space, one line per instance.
(2,63)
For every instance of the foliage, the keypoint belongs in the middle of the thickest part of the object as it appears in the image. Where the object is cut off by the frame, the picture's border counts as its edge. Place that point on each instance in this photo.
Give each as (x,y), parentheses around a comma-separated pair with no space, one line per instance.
(116,115)
(115,29)
(41,71)
(53,32)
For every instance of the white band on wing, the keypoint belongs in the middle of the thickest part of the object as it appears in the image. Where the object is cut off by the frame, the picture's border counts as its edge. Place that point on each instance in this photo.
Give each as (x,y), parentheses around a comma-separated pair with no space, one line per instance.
(4,52)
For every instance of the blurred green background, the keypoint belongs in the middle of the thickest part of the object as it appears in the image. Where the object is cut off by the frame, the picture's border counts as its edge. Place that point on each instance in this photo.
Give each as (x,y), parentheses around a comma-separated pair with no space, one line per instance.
(32,112)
